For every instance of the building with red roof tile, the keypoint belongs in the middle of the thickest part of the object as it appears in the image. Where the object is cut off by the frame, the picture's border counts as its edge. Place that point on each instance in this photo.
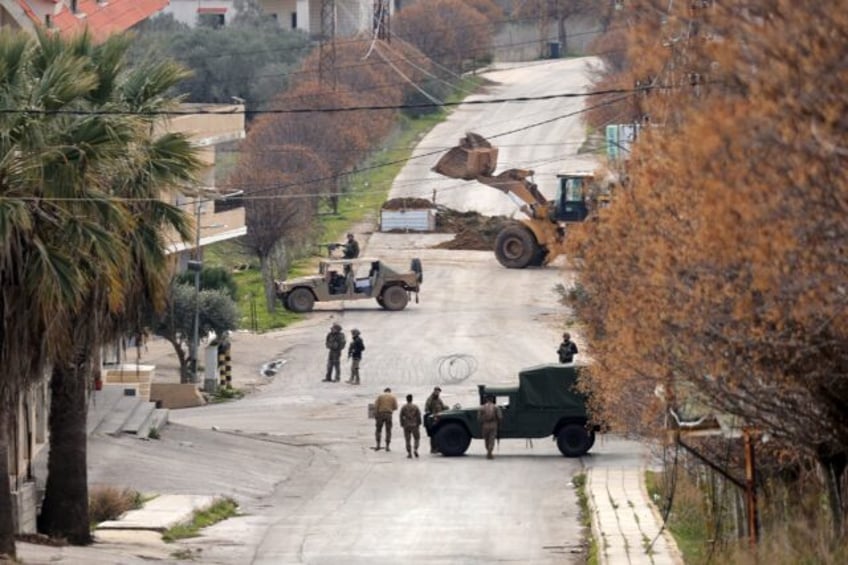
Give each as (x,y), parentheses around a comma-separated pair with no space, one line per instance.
(68,17)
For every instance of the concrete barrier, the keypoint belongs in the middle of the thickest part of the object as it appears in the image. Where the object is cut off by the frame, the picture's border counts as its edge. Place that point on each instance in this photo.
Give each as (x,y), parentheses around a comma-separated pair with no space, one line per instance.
(176,395)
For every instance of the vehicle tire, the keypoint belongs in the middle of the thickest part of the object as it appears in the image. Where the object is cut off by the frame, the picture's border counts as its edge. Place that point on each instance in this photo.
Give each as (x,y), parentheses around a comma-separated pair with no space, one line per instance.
(415,267)
(300,300)
(379,300)
(515,247)
(394,298)
(538,258)
(452,440)
(573,440)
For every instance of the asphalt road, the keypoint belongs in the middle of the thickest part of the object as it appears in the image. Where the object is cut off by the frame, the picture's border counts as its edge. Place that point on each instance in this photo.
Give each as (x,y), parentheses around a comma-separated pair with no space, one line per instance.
(476,322)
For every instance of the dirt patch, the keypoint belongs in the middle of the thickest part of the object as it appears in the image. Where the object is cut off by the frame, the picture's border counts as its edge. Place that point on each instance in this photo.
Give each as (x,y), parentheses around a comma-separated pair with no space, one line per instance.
(473,231)
(407,204)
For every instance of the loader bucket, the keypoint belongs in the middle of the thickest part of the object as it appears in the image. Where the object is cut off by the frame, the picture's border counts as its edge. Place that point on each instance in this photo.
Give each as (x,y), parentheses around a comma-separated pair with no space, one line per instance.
(472,158)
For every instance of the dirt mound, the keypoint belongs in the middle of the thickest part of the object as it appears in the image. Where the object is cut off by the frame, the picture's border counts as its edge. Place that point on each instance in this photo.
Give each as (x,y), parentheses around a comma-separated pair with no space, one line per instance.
(473,231)
(407,204)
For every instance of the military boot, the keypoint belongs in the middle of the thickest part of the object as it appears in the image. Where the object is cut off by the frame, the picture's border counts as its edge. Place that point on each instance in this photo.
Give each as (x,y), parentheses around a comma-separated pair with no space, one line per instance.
(387,446)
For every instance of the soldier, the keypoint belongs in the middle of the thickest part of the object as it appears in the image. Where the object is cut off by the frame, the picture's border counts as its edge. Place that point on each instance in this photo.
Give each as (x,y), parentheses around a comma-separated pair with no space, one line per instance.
(384,406)
(490,417)
(351,248)
(335,343)
(567,349)
(354,353)
(433,406)
(410,421)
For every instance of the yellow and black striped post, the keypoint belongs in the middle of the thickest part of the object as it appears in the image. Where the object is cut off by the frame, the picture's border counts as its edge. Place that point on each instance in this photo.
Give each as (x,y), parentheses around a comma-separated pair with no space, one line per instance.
(224,367)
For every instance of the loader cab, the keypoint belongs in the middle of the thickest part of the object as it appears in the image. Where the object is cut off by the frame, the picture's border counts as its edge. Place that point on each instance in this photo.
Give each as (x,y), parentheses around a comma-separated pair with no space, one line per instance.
(572,191)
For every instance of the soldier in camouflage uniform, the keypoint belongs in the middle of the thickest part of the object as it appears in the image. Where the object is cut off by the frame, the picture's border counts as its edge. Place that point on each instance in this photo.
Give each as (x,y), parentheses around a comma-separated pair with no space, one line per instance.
(433,406)
(335,343)
(384,406)
(354,353)
(490,417)
(410,421)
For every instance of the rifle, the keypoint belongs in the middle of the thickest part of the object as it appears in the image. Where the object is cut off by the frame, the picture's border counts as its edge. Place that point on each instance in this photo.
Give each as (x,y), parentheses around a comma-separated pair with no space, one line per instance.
(330,247)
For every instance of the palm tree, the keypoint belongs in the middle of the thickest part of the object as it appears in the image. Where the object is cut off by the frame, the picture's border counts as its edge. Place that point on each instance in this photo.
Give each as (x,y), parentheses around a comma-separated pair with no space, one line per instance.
(39,274)
(128,268)
(79,239)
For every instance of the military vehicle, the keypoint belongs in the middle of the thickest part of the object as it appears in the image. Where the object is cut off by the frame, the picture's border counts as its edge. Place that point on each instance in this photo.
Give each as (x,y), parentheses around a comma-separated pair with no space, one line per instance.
(544,403)
(540,237)
(352,279)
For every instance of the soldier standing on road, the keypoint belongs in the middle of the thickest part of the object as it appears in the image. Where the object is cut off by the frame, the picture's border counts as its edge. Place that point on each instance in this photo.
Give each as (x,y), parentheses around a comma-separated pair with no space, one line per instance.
(567,349)
(354,353)
(351,248)
(335,343)
(384,406)
(490,417)
(433,406)
(410,420)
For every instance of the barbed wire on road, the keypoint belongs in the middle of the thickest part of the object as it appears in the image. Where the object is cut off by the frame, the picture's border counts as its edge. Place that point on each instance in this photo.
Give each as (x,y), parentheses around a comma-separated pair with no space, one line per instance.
(456,368)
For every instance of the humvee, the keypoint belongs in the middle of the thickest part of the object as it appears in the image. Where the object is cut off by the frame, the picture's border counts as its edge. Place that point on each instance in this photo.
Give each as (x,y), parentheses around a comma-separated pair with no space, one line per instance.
(352,279)
(545,403)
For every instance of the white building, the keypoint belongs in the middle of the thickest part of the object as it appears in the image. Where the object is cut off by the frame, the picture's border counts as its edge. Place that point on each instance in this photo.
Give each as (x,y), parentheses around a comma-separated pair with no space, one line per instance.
(351,16)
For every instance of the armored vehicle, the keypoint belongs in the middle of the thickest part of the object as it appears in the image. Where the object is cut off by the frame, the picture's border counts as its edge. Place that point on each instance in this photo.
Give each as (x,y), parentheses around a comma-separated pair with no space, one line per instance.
(352,279)
(544,403)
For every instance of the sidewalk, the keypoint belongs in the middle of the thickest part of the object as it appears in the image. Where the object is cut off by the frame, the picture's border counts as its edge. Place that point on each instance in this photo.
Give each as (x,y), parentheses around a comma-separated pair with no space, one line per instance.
(625,523)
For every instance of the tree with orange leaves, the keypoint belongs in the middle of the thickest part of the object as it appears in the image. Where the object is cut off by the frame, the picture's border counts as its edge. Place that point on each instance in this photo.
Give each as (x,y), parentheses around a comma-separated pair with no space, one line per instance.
(454,33)
(720,268)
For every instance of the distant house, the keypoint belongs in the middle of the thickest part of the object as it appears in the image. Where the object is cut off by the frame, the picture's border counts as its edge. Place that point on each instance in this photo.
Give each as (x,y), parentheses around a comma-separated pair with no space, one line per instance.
(351,16)
(72,16)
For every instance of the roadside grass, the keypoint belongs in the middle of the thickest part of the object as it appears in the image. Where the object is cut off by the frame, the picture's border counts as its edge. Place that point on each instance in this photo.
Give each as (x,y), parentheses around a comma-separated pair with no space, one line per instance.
(367,190)
(795,525)
(218,512)
(579,482)
(108,503)
(687,519)
(224,394)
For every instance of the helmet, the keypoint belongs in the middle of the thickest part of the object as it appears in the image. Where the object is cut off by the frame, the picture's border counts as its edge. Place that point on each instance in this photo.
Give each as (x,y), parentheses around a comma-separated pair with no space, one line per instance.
(354,331)
(335,327)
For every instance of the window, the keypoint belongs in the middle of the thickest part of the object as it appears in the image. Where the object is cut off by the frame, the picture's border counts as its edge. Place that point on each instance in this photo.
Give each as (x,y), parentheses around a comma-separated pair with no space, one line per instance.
(211,20)
(294,20)
(574,190)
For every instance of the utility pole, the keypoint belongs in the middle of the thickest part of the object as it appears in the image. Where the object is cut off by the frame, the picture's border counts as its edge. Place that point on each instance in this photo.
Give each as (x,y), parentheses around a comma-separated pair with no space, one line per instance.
(195,265)
(327,49)
(382,20)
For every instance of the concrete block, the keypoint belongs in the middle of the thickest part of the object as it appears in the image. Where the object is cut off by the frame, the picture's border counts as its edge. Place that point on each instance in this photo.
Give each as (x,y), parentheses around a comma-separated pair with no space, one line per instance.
(176,395)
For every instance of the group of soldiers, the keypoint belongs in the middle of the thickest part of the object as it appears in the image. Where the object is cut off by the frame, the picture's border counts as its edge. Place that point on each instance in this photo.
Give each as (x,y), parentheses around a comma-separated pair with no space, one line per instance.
(490,416)
(335,343)
(410,419)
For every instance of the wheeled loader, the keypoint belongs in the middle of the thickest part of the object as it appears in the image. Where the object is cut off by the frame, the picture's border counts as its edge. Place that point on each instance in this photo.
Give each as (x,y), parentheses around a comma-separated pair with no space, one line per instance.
(540,238)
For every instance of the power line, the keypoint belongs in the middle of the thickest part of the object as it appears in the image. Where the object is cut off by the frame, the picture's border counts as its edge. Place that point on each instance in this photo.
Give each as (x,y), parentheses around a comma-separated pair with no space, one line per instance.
(627,91)
(257,193)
